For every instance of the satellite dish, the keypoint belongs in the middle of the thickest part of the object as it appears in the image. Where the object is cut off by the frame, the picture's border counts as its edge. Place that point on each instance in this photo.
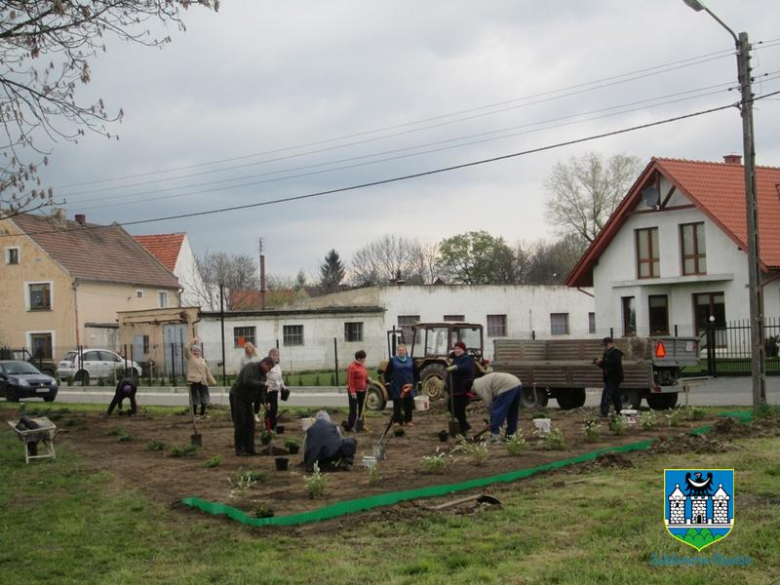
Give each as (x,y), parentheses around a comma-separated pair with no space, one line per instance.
(651,197)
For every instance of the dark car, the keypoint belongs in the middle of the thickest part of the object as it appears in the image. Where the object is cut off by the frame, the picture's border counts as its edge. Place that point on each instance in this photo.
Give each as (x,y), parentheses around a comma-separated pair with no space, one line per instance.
(20,379)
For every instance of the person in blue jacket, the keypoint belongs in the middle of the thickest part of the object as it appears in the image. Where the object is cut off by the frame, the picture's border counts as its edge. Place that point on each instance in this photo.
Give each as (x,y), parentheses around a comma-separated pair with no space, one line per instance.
(461,374)
(403,376)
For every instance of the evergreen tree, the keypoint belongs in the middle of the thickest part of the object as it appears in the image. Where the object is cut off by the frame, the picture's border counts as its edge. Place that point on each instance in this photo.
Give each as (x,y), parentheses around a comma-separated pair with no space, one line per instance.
(332,272)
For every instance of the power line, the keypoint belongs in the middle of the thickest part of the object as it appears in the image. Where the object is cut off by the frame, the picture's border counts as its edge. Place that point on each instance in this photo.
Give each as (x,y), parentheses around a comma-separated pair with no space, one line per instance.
(565,92)
(404,177)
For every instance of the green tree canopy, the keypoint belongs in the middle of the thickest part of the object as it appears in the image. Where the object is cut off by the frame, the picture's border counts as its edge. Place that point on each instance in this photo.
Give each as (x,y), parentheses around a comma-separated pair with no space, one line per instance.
(332,272)
(477,258)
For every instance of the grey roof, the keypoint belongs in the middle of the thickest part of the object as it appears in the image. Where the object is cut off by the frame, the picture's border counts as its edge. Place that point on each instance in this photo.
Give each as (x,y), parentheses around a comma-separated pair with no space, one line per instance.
(96,253)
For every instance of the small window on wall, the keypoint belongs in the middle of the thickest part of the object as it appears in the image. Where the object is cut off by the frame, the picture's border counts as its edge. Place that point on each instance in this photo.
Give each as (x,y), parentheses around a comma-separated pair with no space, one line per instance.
(353,332)
(146,344)
(162,299)
(591,322)
(40,296)
(292,334)
(629,316)
(41,345)
(658,310)
(243,335)
(559,323)
(454,318)
(12,255)
(139,294)
(496,325)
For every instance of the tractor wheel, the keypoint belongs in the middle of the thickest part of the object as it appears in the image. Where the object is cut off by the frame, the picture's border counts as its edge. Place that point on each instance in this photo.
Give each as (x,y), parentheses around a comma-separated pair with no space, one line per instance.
(432,377)
(632,397)
(662,401)
(82,377)
(529,401)
(375,398)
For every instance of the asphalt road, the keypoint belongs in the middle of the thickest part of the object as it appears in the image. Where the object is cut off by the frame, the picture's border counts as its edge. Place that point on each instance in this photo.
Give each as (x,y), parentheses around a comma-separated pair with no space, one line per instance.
(713,392)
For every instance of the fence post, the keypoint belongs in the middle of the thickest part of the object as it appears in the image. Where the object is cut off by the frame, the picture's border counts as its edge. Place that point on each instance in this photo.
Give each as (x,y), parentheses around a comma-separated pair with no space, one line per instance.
(80,362)
(611,332)
(676,334)
(533,334)
(173,364)
(711,349)
(336,358)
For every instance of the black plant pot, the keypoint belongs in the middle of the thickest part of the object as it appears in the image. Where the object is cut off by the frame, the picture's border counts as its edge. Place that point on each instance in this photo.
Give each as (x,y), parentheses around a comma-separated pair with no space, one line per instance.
(281,463)
(444,436)
(293,450)
(265,440)
(279,429)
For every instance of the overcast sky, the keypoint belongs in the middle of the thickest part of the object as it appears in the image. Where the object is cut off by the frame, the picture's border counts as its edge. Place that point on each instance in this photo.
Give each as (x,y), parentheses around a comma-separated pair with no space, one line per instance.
(295,91)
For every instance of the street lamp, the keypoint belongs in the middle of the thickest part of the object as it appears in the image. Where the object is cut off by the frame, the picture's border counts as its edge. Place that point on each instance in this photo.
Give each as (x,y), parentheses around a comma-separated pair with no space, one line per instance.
(757,362)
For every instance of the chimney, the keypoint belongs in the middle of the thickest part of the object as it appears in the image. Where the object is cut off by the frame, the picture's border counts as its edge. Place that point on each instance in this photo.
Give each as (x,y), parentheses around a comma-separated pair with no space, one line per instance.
(81,218)
(733,159)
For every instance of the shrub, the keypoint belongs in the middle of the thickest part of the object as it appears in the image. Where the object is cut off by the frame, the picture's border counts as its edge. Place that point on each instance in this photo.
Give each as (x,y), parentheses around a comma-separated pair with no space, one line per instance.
(516,444)
(477,451)
(156,446)
(125,438)
(183,451)
(374,477)
(592,430)
(617,425)
(117,432)
(555,440)
(648,420)
(315,483)
(212,462)
(673,417)
(264,510)
(540,413)
(435,463)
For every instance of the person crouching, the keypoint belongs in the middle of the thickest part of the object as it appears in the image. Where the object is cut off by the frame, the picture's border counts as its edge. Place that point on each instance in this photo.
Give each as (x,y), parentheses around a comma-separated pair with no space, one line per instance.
(325,446)
(500,393)
(126,388)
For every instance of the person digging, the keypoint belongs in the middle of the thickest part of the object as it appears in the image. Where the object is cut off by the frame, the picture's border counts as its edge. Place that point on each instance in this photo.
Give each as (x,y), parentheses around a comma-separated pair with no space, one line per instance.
(126,388)
(247,391)
(461,372)
(325,446)
(500,393)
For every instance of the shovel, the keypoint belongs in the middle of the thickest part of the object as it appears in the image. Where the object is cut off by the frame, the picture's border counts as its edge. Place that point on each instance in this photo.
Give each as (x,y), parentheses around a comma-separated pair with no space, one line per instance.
(379,448)
(195,438)
(360,424)
(453,425)
(479,498)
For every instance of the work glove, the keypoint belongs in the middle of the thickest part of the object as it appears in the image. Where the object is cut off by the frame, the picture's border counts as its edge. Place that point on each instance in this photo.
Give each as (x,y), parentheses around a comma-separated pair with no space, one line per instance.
(452,368)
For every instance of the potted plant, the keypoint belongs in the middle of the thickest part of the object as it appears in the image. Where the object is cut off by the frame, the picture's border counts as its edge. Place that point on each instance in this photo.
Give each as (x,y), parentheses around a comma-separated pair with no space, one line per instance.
(266,437)
(292,446)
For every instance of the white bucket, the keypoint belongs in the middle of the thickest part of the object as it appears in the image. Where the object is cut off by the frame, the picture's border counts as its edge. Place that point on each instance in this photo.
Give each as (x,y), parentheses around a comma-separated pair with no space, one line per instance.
(369,461)
(306,423)
(543,425)
(629,416)
(422,403)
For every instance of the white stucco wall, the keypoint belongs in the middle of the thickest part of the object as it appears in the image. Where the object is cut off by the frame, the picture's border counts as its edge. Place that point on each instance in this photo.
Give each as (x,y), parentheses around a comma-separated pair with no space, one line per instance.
(186,270)
(317,351)
(615,275)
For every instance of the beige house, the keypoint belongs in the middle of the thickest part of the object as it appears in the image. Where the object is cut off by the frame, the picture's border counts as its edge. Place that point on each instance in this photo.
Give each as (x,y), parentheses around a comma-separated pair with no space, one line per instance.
(62,283)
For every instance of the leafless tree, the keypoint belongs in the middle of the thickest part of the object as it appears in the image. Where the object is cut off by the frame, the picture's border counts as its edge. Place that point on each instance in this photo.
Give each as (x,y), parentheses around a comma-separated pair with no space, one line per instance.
(233,272)
(391,258)
(46,47)
(584,192)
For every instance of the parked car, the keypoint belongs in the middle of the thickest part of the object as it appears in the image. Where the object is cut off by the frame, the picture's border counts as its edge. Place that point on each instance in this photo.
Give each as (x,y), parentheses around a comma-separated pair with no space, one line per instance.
(19,379)
(95,364)
(45,365)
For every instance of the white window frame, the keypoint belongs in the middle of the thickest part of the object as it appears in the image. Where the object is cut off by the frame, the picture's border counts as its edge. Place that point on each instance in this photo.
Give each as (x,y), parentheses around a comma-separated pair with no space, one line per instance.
(27,284)
(160,294)
(504,325)
(568,324)
(360,331)
(8,255)
(28,338)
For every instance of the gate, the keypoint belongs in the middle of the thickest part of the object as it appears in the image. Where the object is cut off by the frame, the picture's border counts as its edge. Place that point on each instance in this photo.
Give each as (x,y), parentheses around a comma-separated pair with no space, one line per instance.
(174,338)
(728,349)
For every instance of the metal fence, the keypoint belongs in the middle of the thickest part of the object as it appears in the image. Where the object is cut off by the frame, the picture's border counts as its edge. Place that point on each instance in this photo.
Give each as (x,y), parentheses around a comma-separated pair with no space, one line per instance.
(726,350)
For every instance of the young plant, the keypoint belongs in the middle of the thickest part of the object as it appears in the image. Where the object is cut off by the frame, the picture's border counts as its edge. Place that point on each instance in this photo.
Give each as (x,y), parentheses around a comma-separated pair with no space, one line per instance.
(374,477)
(648,420)
(435,463)
(592,430)
(516,445)
(183,451)
(156,445)
(555,440)
(125,438)
(245,480)
(540,413)
(315,483)
(477,451)
(673,417)
(264,510)
(292,446)
(617,425)
(695,413)
(212,462)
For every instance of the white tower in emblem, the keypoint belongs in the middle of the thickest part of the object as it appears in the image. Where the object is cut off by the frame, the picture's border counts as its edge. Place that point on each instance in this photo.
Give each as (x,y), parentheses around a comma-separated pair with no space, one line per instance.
(677,506)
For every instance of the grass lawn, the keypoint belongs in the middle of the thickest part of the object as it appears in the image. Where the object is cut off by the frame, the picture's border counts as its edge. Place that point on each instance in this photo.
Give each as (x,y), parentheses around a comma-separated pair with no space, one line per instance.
(62,522)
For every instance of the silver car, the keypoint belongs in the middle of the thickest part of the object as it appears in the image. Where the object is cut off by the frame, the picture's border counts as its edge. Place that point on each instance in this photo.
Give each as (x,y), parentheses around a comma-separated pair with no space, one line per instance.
(95,364)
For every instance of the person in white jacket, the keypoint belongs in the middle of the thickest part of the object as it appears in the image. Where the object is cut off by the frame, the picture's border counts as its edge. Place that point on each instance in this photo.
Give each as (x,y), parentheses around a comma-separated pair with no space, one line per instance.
(275,383)
(500,393)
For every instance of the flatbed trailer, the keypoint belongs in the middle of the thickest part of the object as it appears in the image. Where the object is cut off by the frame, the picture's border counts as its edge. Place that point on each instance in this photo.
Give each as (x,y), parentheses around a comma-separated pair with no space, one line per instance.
(564,368)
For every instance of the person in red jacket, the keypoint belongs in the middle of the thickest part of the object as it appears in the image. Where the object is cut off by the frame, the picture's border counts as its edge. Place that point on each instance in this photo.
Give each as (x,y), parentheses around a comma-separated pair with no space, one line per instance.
(357,384)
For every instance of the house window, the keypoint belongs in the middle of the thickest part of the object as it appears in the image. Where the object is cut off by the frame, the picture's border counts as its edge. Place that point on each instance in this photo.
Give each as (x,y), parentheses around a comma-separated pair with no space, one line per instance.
(658,311)
(648,263)
(242,335)
(591,322)
(559,323)
(711,305)
(353,332)
(146,344)
(12,255)
(629,316)
(40,296)
(454,318)
(162,299)
(496,325)
(139,294)
(692,247)
(41,345)
(405,324)
(292,334)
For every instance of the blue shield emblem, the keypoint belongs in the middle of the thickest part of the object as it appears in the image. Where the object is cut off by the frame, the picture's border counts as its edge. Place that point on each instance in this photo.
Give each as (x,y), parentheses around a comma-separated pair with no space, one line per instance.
(699,505)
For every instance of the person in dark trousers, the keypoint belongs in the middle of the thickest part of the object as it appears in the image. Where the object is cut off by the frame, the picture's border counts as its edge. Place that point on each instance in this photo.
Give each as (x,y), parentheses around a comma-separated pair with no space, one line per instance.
(461,373)
(611,364)
(126,388)
(357,384)
(325,446)
(403,376)
(248,392)
(500,393)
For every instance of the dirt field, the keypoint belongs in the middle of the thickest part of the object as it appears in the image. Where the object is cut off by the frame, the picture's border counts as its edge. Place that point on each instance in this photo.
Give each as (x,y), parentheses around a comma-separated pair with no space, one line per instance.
(168,479)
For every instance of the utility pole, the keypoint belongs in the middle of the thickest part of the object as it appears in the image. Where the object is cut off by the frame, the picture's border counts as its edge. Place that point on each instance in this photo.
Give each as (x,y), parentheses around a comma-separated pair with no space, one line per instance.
(222,328)
(758,351)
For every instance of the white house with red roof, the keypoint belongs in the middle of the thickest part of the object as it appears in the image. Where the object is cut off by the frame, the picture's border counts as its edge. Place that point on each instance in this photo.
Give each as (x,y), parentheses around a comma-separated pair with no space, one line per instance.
(674,252)
(175,253)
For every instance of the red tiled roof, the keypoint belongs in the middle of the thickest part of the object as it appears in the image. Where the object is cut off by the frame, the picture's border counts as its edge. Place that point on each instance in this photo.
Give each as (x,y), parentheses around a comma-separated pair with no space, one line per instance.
(718,190)
(164,247)
(107,254)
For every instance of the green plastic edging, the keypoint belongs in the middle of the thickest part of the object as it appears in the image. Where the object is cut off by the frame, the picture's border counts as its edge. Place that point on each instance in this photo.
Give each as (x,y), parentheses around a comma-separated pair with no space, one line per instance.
(363,504)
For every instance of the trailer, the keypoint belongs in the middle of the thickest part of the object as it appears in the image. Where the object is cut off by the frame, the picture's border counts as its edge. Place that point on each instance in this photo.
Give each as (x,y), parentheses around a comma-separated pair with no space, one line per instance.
(564,368)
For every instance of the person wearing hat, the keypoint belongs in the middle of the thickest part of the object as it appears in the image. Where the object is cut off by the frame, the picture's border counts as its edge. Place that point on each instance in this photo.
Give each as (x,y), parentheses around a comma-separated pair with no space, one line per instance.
(199,376)
(461,372)
(611,364)
(126,388)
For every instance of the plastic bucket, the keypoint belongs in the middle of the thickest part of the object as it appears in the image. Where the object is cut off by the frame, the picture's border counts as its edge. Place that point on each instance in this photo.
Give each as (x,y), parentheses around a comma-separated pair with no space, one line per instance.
(369,461)
(422,403)
(629,416)
(306,423)
(543,425)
